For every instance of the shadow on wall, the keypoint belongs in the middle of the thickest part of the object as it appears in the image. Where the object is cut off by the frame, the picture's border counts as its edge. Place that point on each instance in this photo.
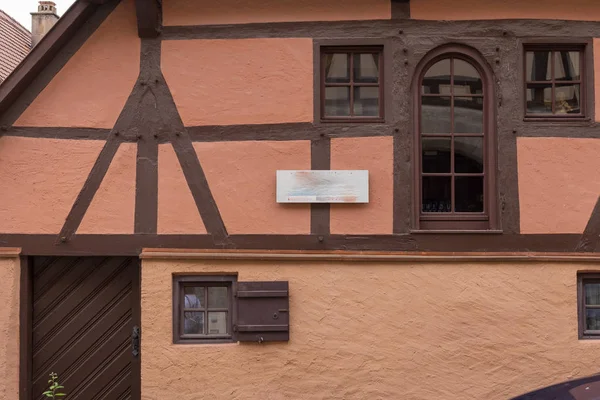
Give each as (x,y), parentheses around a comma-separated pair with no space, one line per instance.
(580,389)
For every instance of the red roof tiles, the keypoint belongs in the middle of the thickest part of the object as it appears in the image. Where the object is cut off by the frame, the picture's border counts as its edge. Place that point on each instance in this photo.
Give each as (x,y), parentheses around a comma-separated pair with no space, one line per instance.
(15,44)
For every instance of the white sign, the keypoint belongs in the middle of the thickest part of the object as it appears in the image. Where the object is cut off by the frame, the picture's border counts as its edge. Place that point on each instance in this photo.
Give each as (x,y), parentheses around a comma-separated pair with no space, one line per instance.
(311,186)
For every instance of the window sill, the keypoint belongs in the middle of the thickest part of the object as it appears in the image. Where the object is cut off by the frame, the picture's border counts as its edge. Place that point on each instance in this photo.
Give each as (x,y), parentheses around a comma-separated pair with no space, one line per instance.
(458,231)
(582,120)
(353,121)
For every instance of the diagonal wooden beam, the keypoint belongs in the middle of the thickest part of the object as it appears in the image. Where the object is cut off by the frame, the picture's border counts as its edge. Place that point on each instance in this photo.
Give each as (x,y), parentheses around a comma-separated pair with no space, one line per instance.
(149,17)
(590,239)
(89,189)
(189,161)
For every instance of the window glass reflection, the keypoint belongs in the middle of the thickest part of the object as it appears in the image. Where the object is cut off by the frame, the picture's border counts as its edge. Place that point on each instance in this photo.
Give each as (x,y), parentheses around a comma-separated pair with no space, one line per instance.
(437,78)
(337,68)
(437,192)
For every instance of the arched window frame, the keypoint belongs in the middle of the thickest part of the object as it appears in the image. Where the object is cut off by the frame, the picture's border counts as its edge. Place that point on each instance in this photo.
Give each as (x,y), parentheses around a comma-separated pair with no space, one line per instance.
(489,219)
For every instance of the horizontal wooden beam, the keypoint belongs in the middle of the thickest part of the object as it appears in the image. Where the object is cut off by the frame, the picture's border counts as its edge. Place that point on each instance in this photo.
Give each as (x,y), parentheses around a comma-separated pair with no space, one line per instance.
(133,244)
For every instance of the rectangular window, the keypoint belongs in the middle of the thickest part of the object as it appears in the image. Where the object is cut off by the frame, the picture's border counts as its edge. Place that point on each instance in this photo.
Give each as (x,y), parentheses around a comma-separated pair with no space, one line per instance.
(351,84)
(554,81)
(203,309)
(589,306)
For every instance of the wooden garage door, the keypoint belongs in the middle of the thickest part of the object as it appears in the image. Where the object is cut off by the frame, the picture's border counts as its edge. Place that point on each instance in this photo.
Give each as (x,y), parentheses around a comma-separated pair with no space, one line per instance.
(84,312)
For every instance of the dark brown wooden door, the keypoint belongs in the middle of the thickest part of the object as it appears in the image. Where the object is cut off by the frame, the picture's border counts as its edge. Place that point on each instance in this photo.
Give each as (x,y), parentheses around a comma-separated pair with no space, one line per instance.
(84,312)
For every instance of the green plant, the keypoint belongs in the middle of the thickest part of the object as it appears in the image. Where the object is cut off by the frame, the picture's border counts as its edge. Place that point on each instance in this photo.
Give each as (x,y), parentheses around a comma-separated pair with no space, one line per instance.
(54,390)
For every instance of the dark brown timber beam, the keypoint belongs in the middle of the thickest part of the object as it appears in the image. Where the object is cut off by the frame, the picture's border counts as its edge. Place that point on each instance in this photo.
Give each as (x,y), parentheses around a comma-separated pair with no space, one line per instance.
(131,245)
(149,18)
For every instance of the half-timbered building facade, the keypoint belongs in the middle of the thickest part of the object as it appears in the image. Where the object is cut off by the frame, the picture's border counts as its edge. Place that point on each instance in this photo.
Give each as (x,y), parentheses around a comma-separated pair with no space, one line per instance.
(143,253)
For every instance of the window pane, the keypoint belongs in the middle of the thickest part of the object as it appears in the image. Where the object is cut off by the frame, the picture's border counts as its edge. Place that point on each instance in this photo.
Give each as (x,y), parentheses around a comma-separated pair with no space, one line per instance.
(466,79)
(592,294)
(337,68)
(566,66)
(539,98)
(469,193)
(435,115)
(567,99)
(468,155)
(537,66)
(366,68)
(468,115)
(366,101)
(217,297)
(193,323)
(193,297)
(337,101)
(592,319)
(436,194)
(217,323)
(437,78)
(436,154)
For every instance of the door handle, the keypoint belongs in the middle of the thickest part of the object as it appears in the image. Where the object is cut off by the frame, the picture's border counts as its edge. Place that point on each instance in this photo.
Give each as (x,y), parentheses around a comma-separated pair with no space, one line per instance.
(135,341)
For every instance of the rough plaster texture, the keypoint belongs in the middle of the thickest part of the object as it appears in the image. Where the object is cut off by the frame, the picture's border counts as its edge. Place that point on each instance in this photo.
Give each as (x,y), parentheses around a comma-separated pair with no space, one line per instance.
(9,328)
(112,209)
(203,12)
(242,180)
(40,180)
(375,154)
(108,62)
(379,331)
(244,81)
(597,76)
(558,177)
(177,211)
(585,10)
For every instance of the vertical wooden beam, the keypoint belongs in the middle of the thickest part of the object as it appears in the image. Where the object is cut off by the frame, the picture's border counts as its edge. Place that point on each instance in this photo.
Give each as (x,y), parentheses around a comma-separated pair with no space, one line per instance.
(25,329)
(320,151)
(149,18)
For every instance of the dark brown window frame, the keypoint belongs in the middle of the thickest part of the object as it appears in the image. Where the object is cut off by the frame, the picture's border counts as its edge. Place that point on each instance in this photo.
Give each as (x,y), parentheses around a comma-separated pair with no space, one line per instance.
(453,222)
(585,44)
(179,282)
(357,44)
(583,79)
(582,278)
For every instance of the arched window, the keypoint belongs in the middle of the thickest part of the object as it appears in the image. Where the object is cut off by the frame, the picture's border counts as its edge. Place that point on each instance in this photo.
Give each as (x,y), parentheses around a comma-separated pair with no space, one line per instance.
(455,152)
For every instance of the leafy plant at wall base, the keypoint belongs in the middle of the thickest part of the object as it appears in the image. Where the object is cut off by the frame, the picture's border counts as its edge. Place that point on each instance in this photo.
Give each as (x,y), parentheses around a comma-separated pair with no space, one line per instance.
(54,390)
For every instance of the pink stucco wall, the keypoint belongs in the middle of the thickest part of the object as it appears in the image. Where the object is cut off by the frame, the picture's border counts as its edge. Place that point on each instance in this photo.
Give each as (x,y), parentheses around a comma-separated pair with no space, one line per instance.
(376,155)
(107,63)
(112,209)
(559,183)
(202,12)
(40,180)
(585,10)
(242,180)
(240,81)
(177,211)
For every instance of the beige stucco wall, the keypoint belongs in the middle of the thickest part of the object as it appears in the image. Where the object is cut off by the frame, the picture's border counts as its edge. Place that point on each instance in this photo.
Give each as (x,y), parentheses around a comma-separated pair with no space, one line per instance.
(206,12)
(378,330)
(9,326)
(558,177)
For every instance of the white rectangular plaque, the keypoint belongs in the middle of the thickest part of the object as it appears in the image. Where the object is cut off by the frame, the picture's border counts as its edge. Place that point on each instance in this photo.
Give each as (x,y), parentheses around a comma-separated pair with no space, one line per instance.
(312,186)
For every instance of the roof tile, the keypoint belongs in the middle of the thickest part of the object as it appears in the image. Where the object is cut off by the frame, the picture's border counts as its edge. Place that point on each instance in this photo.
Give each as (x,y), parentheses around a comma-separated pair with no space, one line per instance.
(15,44)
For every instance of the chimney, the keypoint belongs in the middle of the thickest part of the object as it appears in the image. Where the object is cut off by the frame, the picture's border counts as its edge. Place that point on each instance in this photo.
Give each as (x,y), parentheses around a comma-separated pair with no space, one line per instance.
(42,21)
